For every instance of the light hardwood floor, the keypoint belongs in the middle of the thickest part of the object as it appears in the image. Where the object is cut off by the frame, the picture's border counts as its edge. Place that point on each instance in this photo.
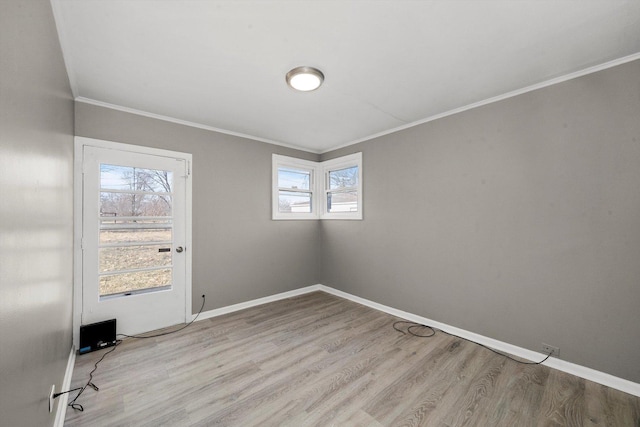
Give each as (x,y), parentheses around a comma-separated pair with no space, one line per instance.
(319,360)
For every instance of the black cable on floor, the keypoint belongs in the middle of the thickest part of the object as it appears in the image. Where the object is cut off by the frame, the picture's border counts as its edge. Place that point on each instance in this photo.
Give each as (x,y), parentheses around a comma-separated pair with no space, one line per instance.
(168,332)
(414,325)
(90,383)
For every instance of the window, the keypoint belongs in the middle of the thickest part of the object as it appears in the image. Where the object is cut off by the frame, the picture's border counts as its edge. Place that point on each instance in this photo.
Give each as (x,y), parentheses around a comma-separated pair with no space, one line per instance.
(335,194)
(343,187)
(294,195)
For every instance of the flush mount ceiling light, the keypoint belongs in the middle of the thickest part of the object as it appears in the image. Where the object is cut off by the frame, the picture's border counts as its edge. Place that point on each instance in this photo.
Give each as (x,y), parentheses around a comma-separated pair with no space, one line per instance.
(305,79)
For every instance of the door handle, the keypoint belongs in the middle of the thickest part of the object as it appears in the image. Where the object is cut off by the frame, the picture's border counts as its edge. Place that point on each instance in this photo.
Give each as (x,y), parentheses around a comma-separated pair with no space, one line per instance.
(179,249)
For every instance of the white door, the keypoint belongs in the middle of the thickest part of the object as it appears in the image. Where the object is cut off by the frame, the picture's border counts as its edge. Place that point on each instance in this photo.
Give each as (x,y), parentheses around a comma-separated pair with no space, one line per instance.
(133,239)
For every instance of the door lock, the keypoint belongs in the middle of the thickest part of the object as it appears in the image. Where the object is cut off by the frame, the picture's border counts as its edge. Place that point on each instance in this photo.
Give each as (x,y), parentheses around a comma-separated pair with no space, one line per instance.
(179,249)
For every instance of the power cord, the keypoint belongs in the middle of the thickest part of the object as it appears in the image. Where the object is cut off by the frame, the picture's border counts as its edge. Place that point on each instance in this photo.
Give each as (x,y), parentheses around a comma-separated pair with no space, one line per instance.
(169,332)
(414,325)
(90,383)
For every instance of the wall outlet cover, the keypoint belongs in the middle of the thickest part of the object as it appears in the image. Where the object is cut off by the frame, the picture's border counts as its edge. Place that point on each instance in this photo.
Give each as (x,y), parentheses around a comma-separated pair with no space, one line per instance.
(550,349)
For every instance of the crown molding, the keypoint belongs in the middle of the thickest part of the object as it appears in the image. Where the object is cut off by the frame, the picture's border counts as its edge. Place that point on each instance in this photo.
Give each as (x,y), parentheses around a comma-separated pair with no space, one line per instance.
(511,94)
(188,123)
(546,83)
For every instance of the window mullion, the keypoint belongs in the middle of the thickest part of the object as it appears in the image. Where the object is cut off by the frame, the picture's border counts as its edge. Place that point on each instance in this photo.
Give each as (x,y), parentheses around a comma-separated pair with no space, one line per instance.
(294,190)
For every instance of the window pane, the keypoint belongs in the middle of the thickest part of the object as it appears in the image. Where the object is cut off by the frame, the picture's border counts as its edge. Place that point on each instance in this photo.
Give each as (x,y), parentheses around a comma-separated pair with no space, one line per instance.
(128,282)
(294,179)
(342,202)
(343,178)
(114,177)
(132,257)
(133,235)
(289,201)
(132,204)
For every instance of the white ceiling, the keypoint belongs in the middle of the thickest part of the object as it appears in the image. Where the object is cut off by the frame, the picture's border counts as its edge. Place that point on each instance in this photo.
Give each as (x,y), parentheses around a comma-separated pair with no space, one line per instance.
(387,64)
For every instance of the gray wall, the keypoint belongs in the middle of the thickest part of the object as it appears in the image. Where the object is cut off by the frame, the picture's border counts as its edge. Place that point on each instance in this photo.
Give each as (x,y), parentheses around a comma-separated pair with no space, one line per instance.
(36,215)
(518,220)
(239,253)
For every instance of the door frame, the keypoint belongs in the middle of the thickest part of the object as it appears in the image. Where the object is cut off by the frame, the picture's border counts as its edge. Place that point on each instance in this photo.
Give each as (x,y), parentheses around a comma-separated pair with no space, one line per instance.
(79,144)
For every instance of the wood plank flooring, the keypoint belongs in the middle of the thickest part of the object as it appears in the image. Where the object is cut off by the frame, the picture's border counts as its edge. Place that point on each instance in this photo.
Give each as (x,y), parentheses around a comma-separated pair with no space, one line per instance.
(319,360)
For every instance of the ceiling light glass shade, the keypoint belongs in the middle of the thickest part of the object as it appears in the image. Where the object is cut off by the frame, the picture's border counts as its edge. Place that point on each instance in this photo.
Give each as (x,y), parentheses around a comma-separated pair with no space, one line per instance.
(305,79)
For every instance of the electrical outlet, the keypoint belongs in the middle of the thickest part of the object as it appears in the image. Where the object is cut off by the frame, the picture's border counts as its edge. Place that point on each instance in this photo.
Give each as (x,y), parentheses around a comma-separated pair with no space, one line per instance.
(549,349)
(51,398)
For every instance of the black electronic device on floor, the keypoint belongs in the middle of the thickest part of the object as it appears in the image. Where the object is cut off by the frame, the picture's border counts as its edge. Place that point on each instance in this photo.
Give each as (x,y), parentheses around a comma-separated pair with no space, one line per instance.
(97,335)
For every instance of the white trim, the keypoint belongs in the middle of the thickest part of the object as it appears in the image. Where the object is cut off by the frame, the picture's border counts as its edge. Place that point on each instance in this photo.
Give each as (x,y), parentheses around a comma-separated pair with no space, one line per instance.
(188,261)
(188,123)
(541,85)
(112,145)
(319,186)
(561,365)
(248,304)
(61,409)
(79,143)
(77,241)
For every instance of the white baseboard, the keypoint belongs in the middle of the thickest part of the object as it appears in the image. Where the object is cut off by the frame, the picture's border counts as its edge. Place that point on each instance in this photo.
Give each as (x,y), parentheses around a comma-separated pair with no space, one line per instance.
(63,400)
(561,365)
(241,306)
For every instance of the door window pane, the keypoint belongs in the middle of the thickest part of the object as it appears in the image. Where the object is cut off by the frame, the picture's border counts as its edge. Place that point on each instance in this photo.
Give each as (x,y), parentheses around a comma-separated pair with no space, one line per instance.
(135,210)
(114,177)
(113,205)
(117,258)
(159,235)
(135,281)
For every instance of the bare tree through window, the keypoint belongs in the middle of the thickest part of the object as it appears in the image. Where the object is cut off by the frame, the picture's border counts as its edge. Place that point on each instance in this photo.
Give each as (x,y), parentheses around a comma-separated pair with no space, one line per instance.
(136,226)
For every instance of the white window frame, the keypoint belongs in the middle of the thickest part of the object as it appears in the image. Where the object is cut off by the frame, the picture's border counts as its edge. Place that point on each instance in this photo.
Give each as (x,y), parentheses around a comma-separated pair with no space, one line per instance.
(318,186)
(334,165)
(278,162)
